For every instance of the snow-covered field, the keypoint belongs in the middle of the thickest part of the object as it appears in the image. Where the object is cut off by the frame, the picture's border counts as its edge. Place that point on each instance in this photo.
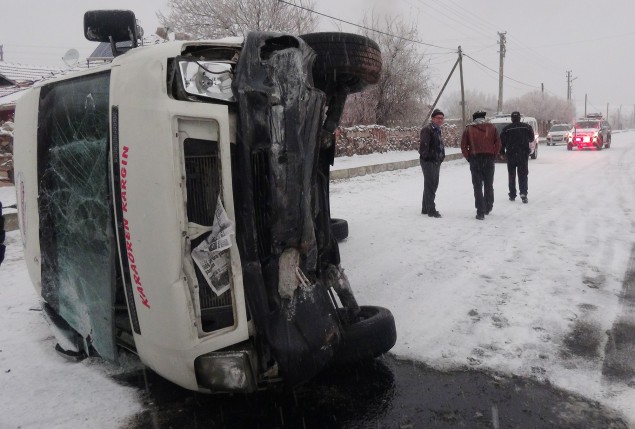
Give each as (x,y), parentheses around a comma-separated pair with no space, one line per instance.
(531,290)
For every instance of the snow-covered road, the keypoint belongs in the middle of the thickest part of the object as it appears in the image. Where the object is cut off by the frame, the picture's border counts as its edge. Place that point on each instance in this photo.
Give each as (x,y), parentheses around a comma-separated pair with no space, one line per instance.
(532,290)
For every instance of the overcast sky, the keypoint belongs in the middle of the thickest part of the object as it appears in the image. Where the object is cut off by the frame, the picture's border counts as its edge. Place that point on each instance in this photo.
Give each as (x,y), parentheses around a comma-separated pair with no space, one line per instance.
(545,39)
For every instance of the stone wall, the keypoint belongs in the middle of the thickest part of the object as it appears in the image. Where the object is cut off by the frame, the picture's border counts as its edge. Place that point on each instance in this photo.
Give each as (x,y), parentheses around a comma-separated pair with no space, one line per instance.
(363,140)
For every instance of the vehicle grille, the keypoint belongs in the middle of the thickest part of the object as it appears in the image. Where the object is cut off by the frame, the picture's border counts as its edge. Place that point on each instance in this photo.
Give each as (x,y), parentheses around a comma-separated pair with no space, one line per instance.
(203,183)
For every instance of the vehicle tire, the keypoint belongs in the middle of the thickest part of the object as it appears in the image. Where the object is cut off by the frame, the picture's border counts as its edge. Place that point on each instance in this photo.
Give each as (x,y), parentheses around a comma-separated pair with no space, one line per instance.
(339,229)
(569,147)
(372,334)
(344,61)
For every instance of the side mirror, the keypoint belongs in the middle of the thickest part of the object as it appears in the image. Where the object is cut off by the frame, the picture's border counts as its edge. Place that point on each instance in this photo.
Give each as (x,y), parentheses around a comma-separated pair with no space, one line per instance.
(111,26)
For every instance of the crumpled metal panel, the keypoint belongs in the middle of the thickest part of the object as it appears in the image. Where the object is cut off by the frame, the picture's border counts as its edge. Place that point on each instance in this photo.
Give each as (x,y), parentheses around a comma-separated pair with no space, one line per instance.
(276,184)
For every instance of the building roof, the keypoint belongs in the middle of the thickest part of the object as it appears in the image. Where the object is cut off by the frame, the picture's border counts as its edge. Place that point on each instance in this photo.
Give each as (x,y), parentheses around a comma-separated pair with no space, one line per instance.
(17,74)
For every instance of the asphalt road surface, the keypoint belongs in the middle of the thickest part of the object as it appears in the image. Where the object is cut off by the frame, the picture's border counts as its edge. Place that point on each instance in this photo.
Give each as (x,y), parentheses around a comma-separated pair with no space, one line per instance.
(386,393)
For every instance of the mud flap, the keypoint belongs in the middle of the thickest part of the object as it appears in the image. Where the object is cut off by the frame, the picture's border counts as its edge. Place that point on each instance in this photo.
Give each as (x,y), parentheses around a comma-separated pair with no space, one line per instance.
(280,116)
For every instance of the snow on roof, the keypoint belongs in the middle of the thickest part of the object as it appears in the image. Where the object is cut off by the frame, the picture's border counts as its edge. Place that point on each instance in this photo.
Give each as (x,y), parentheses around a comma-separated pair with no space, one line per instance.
(21,73)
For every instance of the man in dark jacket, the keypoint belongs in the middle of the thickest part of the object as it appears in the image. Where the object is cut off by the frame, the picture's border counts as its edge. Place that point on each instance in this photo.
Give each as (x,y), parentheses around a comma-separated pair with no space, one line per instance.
(431,155)
(515,138)
(480,144)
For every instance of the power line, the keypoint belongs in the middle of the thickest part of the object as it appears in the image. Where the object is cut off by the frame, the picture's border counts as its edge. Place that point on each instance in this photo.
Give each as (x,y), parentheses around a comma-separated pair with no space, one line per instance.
(407,39)
(586,41)
(506,77)
(440,12)
(364,27)
(475,19)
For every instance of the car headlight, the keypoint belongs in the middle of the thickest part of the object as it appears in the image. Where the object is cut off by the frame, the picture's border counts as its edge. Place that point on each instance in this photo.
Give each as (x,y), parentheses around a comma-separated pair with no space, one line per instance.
(209,79)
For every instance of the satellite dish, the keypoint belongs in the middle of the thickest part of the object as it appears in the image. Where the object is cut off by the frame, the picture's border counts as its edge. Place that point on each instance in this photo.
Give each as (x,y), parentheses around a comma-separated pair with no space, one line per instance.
(71,57)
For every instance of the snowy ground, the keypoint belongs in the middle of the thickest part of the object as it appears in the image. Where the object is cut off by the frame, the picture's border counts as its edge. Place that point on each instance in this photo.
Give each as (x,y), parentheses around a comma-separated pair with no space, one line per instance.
(513,292)
(508,293)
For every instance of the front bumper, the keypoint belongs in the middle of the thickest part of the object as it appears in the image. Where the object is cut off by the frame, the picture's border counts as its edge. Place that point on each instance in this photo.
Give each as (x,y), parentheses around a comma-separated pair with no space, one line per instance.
(556,139)
(585,141)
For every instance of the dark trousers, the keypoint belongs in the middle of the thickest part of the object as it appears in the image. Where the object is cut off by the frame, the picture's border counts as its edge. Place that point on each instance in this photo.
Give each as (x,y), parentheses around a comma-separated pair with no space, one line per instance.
(482,169)
(521,165)
(430,184)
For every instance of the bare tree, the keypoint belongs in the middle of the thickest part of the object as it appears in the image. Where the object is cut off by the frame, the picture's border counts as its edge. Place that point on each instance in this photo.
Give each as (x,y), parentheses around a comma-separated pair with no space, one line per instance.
(220,18)
(544,107)
(360,109)
(399,97)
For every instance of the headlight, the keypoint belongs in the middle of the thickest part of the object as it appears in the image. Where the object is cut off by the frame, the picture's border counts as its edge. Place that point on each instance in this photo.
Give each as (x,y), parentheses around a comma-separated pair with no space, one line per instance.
(207,79)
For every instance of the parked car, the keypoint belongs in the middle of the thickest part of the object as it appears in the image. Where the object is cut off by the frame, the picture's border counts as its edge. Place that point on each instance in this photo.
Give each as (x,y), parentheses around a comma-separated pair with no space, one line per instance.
(175,203)
(558,133)
(500,121)
(592,131)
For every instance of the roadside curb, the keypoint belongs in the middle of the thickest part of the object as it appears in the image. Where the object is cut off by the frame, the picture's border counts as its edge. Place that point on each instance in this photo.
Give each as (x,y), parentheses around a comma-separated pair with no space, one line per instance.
(347,173)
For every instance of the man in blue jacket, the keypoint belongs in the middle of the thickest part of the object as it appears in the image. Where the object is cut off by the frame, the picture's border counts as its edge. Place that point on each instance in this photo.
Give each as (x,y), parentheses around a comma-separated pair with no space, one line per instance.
(431,155)
(515,138)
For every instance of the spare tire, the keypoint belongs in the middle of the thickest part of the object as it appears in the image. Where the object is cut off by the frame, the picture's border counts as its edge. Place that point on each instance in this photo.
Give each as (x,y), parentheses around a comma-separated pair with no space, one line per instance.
(339,229)
(344,61)
(370,334)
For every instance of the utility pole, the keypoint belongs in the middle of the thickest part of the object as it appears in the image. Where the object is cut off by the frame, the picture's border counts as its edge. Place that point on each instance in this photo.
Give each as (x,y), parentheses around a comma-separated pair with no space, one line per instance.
(500,70)
(569,83)
(1,53)
(427,118)
(462,89)
(569,101)
(585,105)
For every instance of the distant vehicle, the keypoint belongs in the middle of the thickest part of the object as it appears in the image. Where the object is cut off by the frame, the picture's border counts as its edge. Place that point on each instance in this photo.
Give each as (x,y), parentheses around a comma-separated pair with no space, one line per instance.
(558,134)
(500,121)
(592,131)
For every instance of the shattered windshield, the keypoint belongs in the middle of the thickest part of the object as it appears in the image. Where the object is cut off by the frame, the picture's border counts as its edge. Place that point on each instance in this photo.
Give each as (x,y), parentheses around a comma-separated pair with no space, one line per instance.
(76,235)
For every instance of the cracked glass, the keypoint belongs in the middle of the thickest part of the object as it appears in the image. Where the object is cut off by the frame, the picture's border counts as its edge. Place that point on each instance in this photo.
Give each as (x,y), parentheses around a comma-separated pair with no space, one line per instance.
(76,224)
